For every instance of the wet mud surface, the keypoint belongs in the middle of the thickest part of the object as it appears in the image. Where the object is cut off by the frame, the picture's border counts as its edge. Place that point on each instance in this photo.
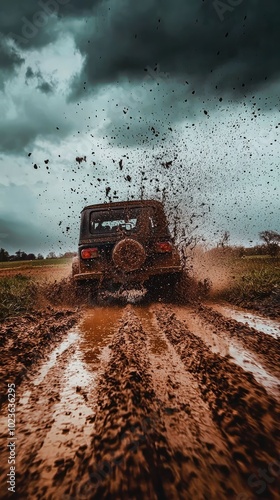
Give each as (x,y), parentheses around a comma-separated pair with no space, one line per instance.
(265,346)
(25,340)
(268,306)
(256,321)
(155,402)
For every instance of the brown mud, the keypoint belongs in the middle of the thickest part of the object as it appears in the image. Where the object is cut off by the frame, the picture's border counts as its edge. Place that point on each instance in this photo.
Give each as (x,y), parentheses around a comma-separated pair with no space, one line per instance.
(265,346)
(141,402)
(256,321)
(26,339)
(267,306)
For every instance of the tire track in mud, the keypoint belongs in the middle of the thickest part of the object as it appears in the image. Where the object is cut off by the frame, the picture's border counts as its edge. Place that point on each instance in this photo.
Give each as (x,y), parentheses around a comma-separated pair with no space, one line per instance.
(247,417)
(154,435)
(208,470)
(55,412)
(32,424)
(220,342)
(265,346)
(48,437)
(131,454)
(68,433)
(258,322)
(26,340)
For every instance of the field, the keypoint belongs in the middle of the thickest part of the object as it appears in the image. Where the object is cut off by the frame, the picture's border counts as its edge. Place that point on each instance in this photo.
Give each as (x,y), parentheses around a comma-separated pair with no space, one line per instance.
(256,277)
(26,286)
(38,270)
(29,264)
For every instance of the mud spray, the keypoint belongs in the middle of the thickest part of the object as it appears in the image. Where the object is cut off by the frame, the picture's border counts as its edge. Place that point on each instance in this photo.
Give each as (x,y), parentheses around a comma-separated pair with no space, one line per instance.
(124,296)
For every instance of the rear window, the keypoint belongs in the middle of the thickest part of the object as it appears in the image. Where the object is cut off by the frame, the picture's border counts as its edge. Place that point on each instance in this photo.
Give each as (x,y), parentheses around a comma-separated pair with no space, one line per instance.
(118,220)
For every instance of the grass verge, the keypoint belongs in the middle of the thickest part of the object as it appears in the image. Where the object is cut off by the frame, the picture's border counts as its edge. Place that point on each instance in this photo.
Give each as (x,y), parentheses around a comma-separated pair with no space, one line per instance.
(18,295)
(22,294)
(252,283)
(253,279)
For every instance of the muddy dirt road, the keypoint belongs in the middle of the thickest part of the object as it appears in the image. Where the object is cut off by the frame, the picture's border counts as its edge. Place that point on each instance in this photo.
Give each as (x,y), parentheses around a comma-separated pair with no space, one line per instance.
(150,402)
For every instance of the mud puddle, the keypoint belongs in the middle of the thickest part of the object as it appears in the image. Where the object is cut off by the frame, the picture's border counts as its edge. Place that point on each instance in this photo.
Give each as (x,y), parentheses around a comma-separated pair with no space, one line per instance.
(71,416)
(72,337)
(225,345)
(248,362)
(57,406)
(268,326)
(158,344)
(96,329)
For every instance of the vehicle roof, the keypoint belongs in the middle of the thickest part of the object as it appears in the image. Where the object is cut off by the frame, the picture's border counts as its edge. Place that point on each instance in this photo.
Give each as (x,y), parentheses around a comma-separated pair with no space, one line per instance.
(121,204)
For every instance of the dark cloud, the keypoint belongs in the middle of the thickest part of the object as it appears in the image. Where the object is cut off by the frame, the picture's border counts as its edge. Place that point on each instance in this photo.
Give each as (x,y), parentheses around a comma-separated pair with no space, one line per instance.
(79,8)
(237,49)
(45,87)
(23,225)
(232,44)
(42,84)
(9,60)
(28,236)
(27,25)
(29,73)
(34,120)
(33,23)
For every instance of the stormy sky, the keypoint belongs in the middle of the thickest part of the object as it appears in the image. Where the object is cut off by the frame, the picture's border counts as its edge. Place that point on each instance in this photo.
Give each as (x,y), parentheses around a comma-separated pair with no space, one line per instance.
(105,100)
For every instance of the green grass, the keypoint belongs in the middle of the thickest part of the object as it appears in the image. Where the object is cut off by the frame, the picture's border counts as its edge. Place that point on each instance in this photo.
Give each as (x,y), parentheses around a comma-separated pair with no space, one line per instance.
(255,278)
(35,263)
(17,295)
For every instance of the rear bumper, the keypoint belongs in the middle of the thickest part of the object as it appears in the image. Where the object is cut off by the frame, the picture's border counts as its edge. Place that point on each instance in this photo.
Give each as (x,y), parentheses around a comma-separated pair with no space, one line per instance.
(128,277)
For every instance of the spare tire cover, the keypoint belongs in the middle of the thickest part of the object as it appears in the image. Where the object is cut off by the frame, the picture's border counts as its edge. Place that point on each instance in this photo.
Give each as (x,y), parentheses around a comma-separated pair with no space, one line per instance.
(129,255)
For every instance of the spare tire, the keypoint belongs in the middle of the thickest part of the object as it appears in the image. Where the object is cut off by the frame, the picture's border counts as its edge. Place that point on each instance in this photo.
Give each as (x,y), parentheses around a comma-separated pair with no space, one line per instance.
(129,255)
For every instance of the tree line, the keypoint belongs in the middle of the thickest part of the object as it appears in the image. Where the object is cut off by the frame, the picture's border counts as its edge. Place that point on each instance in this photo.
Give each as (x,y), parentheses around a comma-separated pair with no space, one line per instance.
(270,246)
(20,255)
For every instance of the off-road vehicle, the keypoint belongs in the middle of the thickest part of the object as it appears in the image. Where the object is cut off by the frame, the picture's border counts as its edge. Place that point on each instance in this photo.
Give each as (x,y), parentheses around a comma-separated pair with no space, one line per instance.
(126,244)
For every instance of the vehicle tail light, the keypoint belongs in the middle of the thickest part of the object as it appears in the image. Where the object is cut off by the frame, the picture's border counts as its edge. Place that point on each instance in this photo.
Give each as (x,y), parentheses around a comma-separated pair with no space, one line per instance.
(89,253)
(163,247)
